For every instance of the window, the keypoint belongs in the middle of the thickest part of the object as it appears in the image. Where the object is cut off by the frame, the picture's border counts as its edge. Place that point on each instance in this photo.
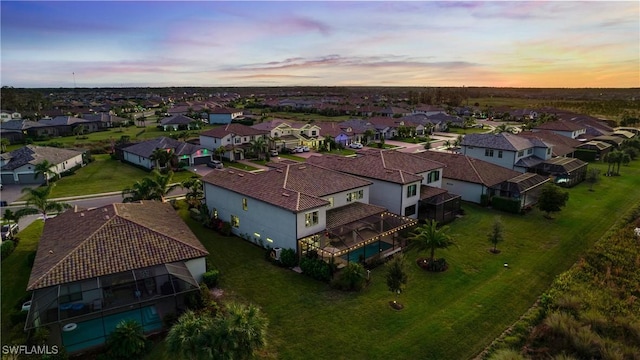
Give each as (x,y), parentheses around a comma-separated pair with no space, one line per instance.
(488,152)
(244,204)
(330,200)
(548,151)
(236,140)
(355,195)
(311,219)
(412,190)
(313,133)
(520,153)
(410,210)
(529,151)
(500,154)
(433,176)
(235,221)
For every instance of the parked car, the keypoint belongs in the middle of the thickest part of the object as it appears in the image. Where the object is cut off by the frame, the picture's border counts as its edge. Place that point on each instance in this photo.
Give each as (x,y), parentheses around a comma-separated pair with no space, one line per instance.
(298,149)
(305,149)
(355,145)
(216,164)
(9,231)
(273,152)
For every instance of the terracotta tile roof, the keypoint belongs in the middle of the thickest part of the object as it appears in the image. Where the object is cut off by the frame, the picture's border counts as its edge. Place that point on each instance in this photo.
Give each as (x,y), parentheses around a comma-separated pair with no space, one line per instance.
(502,141)
(560,125)
(560,145)
(33,154)
(387,165)
(235,129)
(82,244)
(468,169)
(427,192)
(296,187)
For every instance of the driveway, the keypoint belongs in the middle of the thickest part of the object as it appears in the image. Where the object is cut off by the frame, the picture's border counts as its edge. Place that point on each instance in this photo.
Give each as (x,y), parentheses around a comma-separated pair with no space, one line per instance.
(12,192)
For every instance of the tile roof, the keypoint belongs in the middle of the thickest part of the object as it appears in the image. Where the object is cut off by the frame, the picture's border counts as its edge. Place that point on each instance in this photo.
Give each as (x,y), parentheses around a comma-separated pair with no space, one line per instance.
(296,187)
(501,141)
(352,212)
(387,165)
(223,110)
(146,148)
(81,244)
(33,154)
(63,120)
(177,120)
(560,125)
(233,128)
(468,169)
(560,145)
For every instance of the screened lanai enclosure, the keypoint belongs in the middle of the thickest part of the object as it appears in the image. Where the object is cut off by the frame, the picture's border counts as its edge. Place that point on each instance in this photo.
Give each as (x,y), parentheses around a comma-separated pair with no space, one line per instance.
(357,233)
(81,315)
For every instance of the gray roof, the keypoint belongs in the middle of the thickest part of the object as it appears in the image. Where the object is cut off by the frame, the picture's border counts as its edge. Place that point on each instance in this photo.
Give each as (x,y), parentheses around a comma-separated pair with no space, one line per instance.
(502,141)
(146,148)
(529,161)
(63,120)
(19,125)
(177,120)
(33,154)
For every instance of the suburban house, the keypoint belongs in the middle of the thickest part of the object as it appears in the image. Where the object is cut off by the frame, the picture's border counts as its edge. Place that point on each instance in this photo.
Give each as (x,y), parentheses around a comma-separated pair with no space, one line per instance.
(600,148)
(289,134)
(333,129)
(18,166)
(235,139)
(124,261)
(67,125)
(306,208)
(506,150)
(560,145)
(6,115)
(396,177)
(141,153)
(428,110)
(565,171)
(562,127)
(106,120)
(220,115)
(179,122)
(472,179)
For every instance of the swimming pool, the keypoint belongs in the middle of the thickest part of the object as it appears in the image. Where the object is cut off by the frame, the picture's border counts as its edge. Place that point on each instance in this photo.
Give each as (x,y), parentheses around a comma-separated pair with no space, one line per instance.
(367,251)
(95,332)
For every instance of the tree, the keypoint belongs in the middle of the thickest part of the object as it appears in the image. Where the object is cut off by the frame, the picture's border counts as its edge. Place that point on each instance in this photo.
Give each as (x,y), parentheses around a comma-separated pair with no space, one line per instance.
(368,134)
(220,151)
(43,169)
(140,190)
(127,341)
(195,194)
(161,157)
(259,147)
(612,158)
(396,274)
(552,199)
(427,144)
(429,237)
(240,332)
(79,130)
(593,175)
(38,203)
(503,128)
(163,185)
(447,144)
(4,142)
(190,336)
(496,234)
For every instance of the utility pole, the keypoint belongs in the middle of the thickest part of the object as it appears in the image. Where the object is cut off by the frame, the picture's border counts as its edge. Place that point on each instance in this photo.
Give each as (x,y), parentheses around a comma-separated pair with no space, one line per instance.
(74,80)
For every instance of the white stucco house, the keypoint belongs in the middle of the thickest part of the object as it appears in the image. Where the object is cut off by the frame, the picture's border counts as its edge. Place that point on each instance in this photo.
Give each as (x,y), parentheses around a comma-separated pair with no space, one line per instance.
(235,139)
(18,166)
(507,150)
(303,207)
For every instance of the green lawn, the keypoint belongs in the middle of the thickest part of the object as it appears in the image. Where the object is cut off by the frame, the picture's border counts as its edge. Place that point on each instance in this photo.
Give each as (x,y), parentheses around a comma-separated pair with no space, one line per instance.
(292,157)
(238,165)
(104,175)
(15,275)
(450,315)
(455,130)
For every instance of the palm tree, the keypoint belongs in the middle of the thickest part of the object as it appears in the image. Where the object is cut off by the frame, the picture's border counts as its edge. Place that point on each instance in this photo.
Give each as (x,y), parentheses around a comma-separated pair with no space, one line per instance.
(189,337)
(4,142)
(79,130)
(43,169)
(195,194)
(447,144)
(219,151)
(38,203)
(259,147)
(428,236)
(502,128)
(612,158)
(127,341)
(161,157)
(141,190)
(368,134)
(163,185)
(240,332)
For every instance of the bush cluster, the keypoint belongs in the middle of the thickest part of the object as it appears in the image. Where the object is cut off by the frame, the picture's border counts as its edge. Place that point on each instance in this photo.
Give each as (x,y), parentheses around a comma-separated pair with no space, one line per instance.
(316,269)
(211,278)
(506,204)
(7,248)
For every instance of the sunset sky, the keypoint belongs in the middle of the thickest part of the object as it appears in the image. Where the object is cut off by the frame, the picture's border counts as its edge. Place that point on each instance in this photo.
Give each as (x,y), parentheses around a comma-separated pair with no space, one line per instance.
(332,43)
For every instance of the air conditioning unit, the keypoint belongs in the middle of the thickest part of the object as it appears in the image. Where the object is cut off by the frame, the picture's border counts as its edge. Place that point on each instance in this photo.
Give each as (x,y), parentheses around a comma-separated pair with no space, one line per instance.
(276,253)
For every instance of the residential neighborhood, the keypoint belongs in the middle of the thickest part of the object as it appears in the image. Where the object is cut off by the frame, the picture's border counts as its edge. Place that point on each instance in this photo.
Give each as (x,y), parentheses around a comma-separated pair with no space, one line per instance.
(348,190)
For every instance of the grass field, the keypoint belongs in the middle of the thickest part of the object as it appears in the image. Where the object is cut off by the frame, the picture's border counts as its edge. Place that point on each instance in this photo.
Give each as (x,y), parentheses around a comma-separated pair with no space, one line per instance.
(450,315)
(104,175)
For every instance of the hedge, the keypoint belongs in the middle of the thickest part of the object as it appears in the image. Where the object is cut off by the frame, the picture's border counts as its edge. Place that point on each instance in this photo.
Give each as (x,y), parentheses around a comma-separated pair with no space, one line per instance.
(506,204)
(7,248)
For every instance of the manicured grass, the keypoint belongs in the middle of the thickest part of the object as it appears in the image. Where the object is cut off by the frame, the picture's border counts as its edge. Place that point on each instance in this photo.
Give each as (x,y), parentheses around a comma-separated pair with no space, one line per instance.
(104,175)
(240,166)
(343,152)
(292,157)
(455,130)
(15,275)
(450,315)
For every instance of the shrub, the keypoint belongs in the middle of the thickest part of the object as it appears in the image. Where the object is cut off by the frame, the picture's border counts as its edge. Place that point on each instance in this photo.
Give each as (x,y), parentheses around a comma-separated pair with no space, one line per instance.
(506,204)
(288,258)
(211,278)
(18,317)
(316,269)
(351,278)
(485,200)
(169,319)
(7,248)
(226,228)
(437,265)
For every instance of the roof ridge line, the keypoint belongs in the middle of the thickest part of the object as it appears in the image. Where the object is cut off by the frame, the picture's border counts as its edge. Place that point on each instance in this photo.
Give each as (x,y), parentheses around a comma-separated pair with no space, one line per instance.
(473,167)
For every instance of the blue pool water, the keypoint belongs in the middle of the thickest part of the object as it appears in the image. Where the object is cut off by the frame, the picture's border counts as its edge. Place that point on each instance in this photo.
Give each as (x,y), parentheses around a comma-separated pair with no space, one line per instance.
(368,251)
(95,332)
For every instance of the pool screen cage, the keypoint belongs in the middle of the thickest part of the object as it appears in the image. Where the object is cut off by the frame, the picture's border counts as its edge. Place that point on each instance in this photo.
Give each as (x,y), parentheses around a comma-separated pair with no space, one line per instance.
(357,240)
